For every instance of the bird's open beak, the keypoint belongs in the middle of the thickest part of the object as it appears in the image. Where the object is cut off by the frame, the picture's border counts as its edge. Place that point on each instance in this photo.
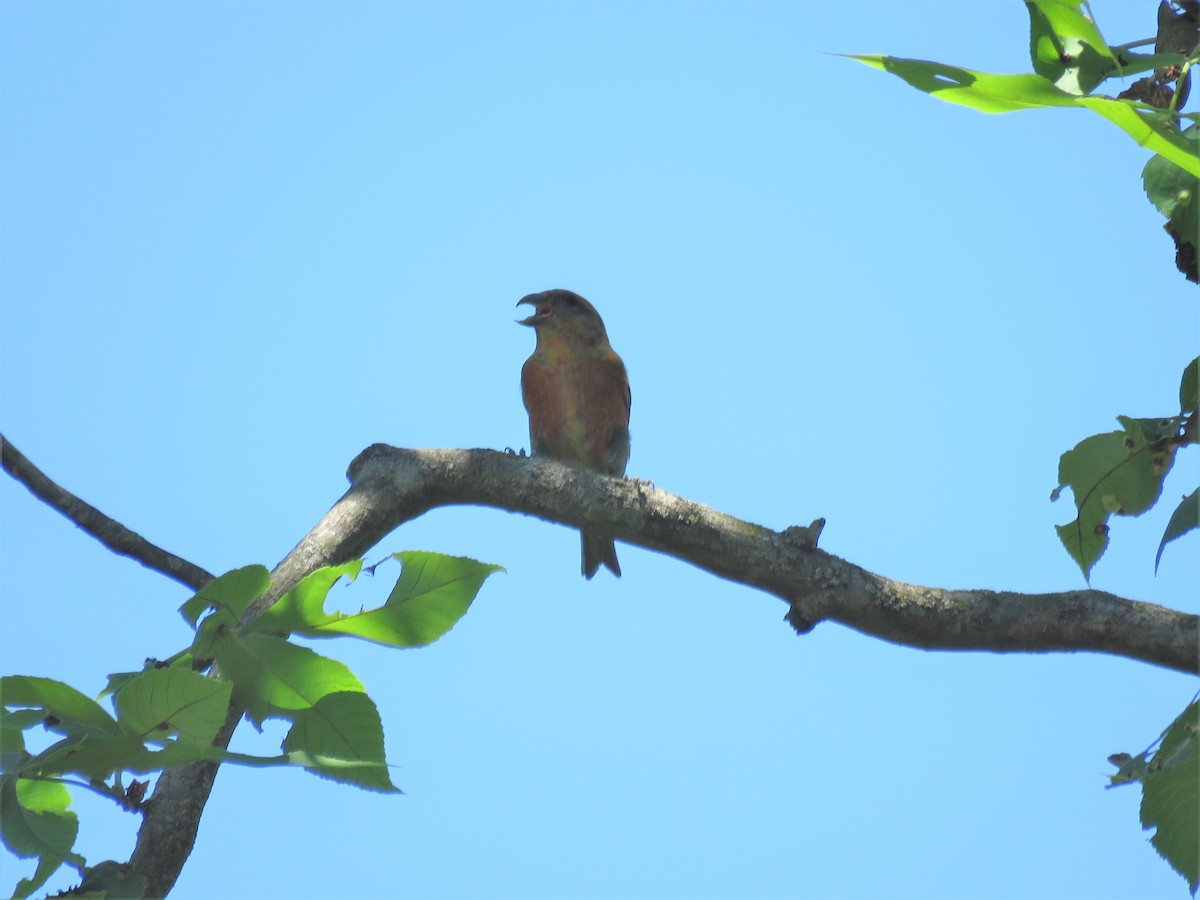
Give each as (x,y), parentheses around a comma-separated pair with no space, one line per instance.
(537,318)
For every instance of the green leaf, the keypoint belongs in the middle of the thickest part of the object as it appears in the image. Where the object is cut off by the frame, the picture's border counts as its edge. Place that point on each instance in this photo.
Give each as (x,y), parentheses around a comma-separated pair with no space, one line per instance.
(63,702)
(37,819)
(1136,63)
(1129,768)
(95,745)
(173,753)
(162,702)
(303,605)
(342,735)
(1172,190)
(1119,473)
(47,866)
(35,822)
(1189,387)
(19,720)
(1154,432)
(210,631)
(116,681)
(176,708)
(233,592)
(94,756)
(109,880)
(12,736)
(1151,128)
(1084,545)
(109,755)
(976,90)
(1185,518)
(272,677)
(432,593)
(1171,796)
(1066,47)
(98,757)
(1176,194)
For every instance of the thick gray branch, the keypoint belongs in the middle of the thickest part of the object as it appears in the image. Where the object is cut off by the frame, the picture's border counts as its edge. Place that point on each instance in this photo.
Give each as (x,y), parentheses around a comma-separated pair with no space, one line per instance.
(392,485)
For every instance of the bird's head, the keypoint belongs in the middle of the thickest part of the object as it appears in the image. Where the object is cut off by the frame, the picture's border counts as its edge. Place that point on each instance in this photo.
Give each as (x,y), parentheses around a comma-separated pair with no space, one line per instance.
(563,315)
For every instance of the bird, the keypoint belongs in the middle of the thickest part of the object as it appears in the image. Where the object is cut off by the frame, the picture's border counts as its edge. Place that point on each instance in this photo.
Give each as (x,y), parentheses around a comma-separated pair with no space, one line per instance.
(576,392)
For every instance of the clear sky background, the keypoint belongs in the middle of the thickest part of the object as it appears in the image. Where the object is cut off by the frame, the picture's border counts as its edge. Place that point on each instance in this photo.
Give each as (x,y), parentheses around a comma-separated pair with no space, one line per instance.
(240,242)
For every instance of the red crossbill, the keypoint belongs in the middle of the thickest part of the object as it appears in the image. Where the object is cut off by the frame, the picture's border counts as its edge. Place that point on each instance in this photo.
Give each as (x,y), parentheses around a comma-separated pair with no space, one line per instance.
(577,395)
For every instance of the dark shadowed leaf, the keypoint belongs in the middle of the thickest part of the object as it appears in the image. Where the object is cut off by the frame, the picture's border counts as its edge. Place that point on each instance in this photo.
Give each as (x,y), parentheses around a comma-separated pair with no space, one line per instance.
(1171,796)
(1189,387)
(1118,473)
(35,822)
(1185,518)
(109,880)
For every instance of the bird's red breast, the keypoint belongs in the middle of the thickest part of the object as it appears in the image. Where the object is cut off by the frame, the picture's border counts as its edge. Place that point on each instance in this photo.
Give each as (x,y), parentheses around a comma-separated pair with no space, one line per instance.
(578,408)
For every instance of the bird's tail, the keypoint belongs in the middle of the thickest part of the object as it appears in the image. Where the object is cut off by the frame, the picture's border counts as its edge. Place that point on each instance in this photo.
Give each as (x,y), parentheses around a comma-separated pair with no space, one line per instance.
(598,551)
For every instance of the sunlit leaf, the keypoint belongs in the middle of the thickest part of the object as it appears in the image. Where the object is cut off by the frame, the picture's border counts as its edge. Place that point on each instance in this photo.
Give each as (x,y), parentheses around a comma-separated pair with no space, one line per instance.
(234,591)
(273,677)
(162,702)
(303,606)
(60,701)
(1151,128)
(1066,47)
(431,594)
(344,732)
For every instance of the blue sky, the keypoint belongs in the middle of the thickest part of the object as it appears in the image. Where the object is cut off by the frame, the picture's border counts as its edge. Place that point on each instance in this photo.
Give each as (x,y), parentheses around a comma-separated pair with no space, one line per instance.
(241,242)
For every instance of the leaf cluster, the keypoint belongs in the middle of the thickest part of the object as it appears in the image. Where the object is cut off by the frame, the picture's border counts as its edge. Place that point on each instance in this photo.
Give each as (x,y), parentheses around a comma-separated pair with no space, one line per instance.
(170,713)
(1121,473)
(1071,60)
(1170,780)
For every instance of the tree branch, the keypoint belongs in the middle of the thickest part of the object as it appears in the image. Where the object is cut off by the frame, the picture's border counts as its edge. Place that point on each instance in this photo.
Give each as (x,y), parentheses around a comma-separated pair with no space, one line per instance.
(112,534)
(390,486)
